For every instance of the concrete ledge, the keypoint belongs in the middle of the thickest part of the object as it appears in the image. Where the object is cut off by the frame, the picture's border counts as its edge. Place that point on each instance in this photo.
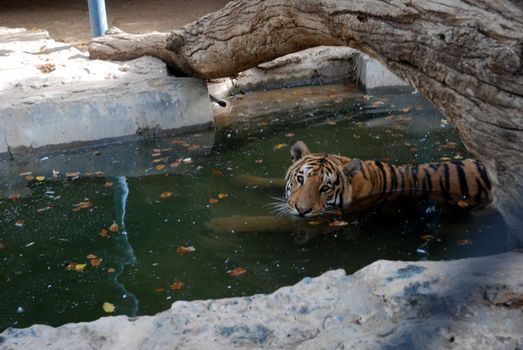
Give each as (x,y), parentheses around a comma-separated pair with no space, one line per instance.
(53,94)
(463,304)
(372,75)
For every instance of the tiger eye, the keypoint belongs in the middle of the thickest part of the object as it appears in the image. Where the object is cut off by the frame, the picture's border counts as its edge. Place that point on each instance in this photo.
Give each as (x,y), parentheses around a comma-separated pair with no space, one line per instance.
(300,179)
(325,188)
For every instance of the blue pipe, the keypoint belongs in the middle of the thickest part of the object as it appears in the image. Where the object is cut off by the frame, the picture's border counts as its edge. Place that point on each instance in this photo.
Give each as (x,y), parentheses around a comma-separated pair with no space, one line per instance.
(98,17)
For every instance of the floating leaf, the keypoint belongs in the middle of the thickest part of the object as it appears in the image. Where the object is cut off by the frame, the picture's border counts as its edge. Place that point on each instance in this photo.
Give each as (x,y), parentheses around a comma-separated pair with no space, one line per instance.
(159,290)
(26,173)
(157,154)
(182,250)
(104,232)
(96,262)
(174,164)
(378,103)
(222,195)
(338,223)
(458,156)
(464,242)
(79,267)
(166,194)
(187,160)
(366,97)
(332,96)
(213,201)
(108,184)
(314,223)
(39,210)
(331,122)
(405,110)
(159,167)
(258,161)
(108,307)
(177,142)
(82,205)
(111,270)
(72,174)
(262,123)
(97,153)
(176,285)
(356,136)
(427,237)
(463,204)
(279,146)
(444,159)
(2,245)
(29,178)
(40,178)
(237,271)
(14,197)
(418,107)
(19,223)
(194,147)
(217,172)
(91,256)
(113,227)
(290,134)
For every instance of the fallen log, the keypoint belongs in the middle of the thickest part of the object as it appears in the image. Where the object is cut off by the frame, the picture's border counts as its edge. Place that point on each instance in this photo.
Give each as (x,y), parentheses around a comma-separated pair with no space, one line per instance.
(466,57)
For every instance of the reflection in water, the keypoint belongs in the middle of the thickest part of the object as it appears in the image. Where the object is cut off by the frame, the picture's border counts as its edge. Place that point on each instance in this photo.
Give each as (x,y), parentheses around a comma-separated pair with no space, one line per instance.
(128,258)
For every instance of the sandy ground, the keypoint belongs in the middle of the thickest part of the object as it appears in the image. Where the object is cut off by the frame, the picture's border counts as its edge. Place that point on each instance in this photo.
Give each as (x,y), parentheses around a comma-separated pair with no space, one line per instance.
(68,20)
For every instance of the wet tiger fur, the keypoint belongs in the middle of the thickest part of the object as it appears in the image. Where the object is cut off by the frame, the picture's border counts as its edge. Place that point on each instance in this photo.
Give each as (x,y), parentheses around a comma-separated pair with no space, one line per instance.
(317,183)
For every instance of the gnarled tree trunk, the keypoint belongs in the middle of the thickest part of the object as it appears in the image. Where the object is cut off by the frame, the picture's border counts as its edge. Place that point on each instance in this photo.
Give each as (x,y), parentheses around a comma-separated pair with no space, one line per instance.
(464,56)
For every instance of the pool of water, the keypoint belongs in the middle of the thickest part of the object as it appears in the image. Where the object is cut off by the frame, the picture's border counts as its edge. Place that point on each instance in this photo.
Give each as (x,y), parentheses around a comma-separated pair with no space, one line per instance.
(204,193)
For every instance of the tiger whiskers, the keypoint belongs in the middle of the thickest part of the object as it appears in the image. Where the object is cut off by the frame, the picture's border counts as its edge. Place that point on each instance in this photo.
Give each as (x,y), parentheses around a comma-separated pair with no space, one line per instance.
(279,207)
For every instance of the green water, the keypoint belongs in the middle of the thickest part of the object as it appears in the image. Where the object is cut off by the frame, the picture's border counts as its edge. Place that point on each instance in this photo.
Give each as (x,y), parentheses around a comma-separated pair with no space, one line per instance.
(36,287)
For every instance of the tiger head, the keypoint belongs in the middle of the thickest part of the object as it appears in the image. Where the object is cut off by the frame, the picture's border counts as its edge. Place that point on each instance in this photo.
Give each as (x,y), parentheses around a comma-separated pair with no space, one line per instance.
(317,183)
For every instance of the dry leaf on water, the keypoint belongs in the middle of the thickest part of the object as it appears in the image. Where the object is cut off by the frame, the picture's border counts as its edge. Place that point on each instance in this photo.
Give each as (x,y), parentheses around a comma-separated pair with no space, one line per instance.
(464,242)
(111,270)
(279,146)
(113,227)
(427,237)
(166,194)
(159,167)
(217,172)
(40,178)
(159,290)
(108,307)
(182,250)
(19,223)
(14,197)
(72,174)
(213,201)
(176,285)
(237,271)
(74,266)
(104,232)
(222,195)
(82,205)
(338,223)
(96,262)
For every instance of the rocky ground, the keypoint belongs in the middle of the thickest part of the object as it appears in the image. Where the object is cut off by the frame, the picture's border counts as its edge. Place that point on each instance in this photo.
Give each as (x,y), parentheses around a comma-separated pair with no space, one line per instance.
(472,303)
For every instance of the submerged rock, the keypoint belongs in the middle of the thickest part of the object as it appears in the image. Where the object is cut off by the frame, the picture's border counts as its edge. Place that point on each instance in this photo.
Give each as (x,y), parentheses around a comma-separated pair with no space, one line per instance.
(474,303)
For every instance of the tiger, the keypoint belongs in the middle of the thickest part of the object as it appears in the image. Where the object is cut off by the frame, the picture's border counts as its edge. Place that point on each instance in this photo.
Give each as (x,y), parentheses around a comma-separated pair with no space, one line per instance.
(321,183)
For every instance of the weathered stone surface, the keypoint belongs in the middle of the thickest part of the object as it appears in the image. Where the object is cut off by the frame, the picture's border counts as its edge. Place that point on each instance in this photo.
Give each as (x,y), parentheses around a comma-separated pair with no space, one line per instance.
(464,304)
(53,94)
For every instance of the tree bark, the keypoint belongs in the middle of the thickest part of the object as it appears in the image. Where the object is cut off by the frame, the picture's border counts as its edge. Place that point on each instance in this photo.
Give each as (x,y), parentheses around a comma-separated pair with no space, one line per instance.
(464,56)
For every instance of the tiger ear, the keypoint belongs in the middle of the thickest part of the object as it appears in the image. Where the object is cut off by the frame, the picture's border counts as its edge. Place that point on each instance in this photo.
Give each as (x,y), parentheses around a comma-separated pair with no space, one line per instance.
(299,150)
(352,167)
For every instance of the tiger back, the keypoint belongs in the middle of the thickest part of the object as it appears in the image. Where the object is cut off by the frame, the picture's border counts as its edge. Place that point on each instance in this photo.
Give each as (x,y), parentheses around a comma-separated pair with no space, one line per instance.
(319,183)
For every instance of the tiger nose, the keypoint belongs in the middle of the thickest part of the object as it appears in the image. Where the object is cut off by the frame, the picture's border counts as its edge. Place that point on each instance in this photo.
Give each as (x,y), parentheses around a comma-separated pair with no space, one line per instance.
(302,211)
